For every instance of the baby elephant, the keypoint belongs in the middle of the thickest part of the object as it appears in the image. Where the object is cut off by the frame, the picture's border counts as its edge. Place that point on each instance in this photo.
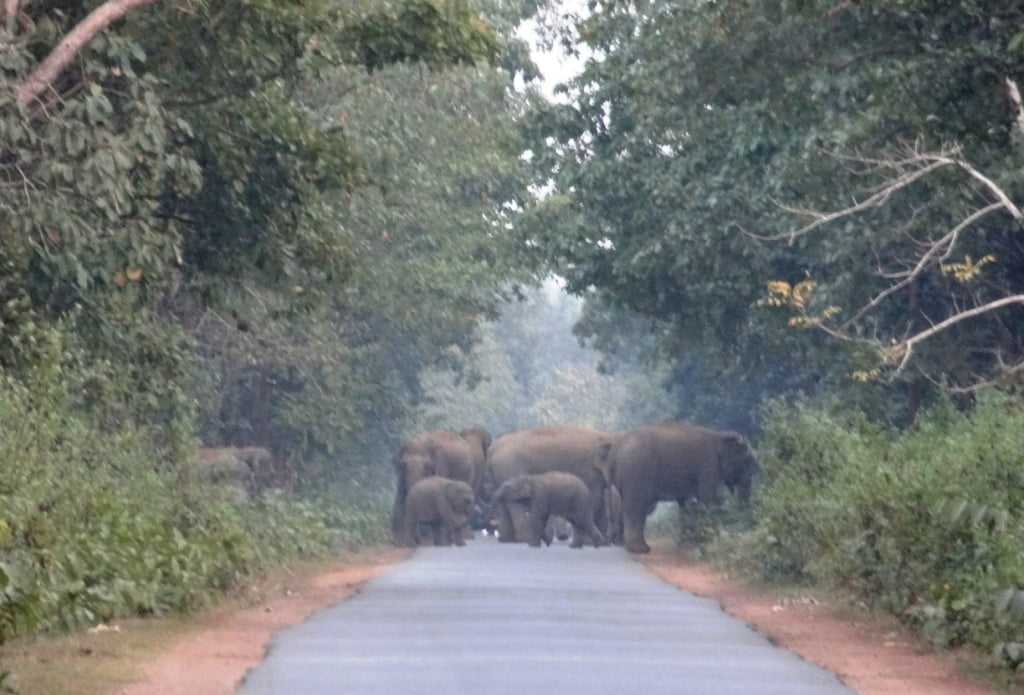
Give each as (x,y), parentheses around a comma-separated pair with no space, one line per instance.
(442,504)
(553,493)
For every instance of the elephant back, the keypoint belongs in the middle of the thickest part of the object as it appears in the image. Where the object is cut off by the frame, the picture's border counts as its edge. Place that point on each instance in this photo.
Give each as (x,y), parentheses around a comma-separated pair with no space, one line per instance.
(539,450)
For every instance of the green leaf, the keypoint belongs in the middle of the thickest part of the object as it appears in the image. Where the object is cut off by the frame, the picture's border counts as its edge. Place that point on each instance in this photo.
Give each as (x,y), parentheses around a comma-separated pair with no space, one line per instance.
(1016,44)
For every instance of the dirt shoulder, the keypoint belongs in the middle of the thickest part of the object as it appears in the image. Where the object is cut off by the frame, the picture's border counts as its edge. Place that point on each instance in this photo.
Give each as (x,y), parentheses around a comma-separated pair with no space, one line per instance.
(213,661)
(870,655)
(206,653)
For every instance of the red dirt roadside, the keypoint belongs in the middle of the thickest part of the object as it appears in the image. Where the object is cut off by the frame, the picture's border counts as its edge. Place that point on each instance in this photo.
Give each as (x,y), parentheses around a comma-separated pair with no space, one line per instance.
(870,659)
(215,660)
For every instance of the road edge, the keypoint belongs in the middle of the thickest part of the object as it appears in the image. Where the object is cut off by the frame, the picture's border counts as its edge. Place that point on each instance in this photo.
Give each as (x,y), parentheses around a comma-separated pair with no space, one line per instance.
(215,660)
(870,656)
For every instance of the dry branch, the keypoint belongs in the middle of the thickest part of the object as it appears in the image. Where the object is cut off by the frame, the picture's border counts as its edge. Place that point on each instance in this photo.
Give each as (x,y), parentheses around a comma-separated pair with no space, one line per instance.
(902,172)
(913,340)
(1011,87)
(99,19)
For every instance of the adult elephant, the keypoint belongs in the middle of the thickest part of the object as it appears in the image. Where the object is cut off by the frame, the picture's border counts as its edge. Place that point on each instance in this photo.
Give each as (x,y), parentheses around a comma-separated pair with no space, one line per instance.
(479,441)
(673,461)
(537,450)
(439,452)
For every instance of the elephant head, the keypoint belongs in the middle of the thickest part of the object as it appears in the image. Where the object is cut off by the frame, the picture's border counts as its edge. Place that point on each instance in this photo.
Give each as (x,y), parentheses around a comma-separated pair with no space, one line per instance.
(737,465)
(517,489)
(460,496)
(413,464)
(479,436)
(414,461)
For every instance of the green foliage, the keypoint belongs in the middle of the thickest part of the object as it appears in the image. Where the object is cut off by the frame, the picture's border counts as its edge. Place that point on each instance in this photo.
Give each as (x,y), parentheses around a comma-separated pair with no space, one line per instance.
(96,524)
(439,32)
(674,155)
(190,243)
(926,523)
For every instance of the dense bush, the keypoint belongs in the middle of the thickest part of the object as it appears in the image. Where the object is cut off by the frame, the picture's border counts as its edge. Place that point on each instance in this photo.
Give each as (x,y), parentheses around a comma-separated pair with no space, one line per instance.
(926,523)
(94,525)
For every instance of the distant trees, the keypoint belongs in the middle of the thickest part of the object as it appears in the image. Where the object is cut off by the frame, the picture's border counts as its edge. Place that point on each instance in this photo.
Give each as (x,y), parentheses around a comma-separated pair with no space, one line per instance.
(529,370)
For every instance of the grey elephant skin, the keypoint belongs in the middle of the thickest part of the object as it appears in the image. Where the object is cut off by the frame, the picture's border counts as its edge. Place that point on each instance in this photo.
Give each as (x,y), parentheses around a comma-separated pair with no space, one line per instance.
(443,505)
(553,493)
(440,452)
(538,450)
(673,461)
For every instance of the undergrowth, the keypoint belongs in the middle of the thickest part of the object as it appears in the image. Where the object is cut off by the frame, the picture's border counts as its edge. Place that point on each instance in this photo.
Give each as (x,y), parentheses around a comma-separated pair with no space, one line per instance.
(926,523)
(97,521)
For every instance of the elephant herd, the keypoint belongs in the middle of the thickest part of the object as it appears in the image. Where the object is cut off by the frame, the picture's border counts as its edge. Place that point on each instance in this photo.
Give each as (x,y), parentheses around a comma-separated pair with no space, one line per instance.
(604,484)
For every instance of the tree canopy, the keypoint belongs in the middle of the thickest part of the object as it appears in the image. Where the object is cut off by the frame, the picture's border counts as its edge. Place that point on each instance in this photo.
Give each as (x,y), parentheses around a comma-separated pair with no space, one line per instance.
(701,139)
(245,205)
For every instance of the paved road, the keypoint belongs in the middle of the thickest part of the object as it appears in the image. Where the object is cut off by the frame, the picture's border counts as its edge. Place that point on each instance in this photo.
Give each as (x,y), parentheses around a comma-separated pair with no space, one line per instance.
(494,619)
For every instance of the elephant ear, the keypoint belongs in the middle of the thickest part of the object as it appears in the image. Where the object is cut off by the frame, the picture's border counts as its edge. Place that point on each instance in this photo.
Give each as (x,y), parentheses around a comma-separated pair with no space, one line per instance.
(730,444)
(733,452)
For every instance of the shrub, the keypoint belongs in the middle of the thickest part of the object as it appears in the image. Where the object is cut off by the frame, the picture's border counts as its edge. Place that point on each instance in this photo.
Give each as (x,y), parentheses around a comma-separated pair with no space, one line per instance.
(926,523)
(95,526)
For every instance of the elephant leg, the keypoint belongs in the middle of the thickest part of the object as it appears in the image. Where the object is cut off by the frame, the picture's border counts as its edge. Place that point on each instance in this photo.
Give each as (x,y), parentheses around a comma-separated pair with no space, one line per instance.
(601,515)
(633,532)
(506,527)
(549,531)
(398,524)
(615,530)
(459,529)
(409,536)
(582,529)
(538,528)
(634,518)
(441,535)
(520,521)
(579,535)
(562,528)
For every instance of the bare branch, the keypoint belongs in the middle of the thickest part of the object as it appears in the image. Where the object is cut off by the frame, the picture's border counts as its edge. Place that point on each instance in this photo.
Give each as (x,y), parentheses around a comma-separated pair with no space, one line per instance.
(99,19)
(992,187)
(1011,87)
(908,344)
(899,172)
(948,241)
(873,201)
(839,9)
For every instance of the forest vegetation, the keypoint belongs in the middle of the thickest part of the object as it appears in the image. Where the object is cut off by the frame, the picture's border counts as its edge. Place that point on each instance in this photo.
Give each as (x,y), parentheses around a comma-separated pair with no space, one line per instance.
(318,226)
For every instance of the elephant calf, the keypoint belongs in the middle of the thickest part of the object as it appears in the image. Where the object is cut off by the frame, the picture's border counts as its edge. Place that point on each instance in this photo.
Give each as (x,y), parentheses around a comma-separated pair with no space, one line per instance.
(553,493)
(442,504)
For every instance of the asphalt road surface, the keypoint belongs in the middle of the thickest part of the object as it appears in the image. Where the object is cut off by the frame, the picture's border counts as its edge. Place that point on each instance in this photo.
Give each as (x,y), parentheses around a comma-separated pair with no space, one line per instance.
(497,619)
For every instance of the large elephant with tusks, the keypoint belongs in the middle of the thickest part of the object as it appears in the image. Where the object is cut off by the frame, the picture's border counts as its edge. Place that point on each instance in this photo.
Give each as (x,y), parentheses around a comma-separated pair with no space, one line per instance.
(673,461)
(439,452)
(537,450)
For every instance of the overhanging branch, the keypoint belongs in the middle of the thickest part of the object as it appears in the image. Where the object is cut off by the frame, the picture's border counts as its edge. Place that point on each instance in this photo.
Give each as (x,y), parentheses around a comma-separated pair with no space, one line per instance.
(99,19)
(908,344)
